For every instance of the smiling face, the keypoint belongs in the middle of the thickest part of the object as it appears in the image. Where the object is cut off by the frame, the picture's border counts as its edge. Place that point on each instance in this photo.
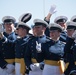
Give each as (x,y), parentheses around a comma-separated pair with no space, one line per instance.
(9,27)
(54,34)
(62,24)
(21,32)
(38,30)
(70,32)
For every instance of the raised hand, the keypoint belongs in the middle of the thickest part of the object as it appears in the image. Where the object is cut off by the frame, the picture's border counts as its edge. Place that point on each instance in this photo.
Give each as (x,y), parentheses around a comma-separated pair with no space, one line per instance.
(52,9)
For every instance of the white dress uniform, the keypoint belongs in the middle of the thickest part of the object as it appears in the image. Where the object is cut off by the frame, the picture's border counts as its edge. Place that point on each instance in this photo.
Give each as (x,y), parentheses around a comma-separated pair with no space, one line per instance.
(52,53)
(42,39)
(20,48)
(7,52)
(31,48)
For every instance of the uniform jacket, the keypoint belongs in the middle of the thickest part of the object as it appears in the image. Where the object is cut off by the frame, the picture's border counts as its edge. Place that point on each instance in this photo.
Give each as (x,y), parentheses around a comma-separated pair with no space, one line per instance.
(7,50)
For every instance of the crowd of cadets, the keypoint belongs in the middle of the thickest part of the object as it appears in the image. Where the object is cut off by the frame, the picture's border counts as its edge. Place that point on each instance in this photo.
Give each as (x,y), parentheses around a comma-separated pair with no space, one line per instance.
(49,50)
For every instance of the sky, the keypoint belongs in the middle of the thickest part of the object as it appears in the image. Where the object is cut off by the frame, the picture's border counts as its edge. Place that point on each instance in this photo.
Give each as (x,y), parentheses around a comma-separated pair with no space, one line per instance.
(38,8)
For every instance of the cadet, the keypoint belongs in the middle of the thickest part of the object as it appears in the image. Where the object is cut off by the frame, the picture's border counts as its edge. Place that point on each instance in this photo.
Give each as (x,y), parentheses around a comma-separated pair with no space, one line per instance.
(70,49)
(52,10)
(7,52)
(61,20)
(52,52)
(30,54)
(20,47)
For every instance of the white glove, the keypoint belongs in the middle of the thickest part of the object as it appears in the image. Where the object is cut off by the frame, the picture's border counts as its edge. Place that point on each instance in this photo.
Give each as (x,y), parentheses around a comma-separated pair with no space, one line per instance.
(10,68)
(3,72)
(38,47)
(52,9)
(1,35)
(1,28)
(35,66)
